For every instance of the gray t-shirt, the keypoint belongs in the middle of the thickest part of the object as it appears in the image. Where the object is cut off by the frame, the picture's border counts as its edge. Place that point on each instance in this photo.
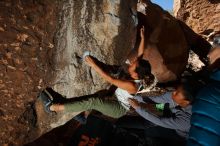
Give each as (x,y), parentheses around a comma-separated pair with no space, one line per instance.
(180,122)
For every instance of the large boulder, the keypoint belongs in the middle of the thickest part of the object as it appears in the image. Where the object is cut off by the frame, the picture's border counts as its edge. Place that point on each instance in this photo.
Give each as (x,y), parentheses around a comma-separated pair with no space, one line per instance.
(167,48)
(202,16)
(103,27)
(27,29)
(41,45)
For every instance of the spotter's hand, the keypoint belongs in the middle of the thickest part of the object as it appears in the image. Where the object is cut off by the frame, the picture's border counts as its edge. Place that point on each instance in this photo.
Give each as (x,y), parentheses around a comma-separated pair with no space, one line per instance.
(134,103)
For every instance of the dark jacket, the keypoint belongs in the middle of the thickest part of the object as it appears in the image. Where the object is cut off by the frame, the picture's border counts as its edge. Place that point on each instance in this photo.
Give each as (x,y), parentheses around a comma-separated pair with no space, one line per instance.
(205,120)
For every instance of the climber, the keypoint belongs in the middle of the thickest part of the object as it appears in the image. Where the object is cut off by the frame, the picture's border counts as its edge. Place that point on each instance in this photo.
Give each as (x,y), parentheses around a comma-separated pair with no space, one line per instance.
(127,88)
(176,126)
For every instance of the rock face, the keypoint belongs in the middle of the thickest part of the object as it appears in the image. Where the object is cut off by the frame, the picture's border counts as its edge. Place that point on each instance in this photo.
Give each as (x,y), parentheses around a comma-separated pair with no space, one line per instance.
(166,53)
(201,15)
(27,28)
(105,28)
(41,43)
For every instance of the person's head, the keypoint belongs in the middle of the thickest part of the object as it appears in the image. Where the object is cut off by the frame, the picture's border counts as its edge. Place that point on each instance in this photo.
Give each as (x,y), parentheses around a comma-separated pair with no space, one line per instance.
(186,93)
(139,69)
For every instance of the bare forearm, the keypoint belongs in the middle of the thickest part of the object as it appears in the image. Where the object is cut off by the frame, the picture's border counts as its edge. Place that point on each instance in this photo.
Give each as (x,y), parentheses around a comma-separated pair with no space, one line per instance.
(123,84)
(141,45)
(126,85)
(151,108)
(141,48)
(145,106)
(103,74)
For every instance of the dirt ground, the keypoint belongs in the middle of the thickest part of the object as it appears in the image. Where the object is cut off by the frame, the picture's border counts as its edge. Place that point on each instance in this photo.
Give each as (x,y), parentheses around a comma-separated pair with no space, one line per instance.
(27,28)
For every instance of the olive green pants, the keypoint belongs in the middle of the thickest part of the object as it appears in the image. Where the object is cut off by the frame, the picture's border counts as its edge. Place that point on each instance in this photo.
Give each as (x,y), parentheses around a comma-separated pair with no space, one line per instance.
(107,107)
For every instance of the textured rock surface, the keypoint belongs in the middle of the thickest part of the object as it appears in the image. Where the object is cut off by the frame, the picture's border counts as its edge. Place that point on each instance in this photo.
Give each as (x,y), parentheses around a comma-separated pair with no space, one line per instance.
(166,53)
(203,16)
(104,27)
(27,28)
(41,43)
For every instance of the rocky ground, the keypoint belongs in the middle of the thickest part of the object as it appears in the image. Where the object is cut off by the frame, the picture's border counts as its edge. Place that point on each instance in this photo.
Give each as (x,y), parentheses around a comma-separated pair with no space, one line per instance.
(27,28)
